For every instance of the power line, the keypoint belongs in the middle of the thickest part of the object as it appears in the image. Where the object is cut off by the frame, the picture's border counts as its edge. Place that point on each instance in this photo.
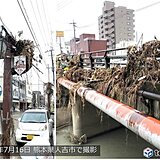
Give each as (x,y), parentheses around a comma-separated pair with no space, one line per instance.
(41,21)
(148,6)
(37,22)
(45,17)
(37,74)
(63,4)
(30,28)
(27,18)
(39,29)
(137,10)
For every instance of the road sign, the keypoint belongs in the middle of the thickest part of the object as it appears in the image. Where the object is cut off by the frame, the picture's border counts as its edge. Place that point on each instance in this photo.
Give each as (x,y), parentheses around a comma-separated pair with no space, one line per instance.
(20,64)
(59,33)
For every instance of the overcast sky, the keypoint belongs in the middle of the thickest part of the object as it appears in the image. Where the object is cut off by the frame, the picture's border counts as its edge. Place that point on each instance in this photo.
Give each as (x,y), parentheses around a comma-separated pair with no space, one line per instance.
(47,16)
(86,12)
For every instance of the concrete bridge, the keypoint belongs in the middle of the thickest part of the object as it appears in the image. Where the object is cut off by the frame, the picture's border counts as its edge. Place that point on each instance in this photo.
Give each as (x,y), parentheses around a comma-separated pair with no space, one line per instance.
(92,112)
(86,121)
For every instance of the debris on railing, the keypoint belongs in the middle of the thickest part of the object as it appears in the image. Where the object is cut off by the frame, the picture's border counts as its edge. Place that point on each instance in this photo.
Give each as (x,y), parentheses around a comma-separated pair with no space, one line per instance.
(142,66)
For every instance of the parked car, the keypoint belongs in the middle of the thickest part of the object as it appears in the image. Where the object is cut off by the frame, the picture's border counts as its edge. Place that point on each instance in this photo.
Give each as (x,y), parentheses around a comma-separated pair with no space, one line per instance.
(34,122)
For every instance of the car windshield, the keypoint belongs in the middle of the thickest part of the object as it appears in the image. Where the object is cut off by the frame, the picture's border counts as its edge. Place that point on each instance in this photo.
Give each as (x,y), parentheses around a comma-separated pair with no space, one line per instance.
(34,117)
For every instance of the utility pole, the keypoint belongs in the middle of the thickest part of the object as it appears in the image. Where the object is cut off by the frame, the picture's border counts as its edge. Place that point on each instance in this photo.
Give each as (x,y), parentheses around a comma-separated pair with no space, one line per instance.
(52,60)
(74,34)
(7,92)
(48,72)
(49,92)
(49,85)
(60,45)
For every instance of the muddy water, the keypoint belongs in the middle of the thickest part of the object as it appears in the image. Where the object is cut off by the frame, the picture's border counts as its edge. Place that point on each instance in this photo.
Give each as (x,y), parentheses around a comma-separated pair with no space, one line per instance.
(119,143)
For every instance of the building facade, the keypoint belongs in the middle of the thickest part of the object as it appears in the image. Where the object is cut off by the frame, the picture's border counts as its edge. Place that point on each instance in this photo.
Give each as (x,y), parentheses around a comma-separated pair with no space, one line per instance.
(21,94)
(88,43)
(116,24)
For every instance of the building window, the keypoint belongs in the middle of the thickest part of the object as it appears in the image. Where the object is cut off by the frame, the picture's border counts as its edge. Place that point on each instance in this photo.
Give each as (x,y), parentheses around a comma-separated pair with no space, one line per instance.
(128,12)
(129,29)
(128,18)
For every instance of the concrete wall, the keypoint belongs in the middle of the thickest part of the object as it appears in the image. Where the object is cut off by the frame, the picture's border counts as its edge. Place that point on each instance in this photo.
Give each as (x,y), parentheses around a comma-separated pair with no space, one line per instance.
(85,118)
(89,120)
(63,116)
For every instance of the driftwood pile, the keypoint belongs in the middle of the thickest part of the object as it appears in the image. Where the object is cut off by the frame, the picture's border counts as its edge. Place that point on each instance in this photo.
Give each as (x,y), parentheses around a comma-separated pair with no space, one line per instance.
(142,65)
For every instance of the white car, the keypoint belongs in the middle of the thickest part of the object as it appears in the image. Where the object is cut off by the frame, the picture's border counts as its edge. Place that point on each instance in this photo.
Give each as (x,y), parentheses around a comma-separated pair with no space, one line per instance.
(34,122)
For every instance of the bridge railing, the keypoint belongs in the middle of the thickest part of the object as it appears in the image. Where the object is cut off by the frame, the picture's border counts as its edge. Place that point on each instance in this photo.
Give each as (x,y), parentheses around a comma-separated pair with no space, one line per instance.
(143,125)
(101,58)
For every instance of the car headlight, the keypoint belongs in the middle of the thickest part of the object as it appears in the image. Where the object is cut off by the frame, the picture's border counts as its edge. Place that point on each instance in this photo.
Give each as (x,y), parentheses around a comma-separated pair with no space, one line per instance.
(43,128)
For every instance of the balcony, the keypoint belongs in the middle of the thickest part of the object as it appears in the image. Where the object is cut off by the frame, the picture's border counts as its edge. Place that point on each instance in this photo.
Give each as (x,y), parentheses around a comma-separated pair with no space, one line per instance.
(111,25)
(109,14)
(111,30)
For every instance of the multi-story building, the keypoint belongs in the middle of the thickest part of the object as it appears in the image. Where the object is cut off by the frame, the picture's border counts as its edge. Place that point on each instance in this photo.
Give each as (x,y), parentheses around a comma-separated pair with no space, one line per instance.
(21,94)
(116,24)
(87,43)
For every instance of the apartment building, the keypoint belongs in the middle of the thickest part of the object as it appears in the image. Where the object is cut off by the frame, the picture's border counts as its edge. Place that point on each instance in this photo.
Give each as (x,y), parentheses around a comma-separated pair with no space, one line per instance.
(116,24)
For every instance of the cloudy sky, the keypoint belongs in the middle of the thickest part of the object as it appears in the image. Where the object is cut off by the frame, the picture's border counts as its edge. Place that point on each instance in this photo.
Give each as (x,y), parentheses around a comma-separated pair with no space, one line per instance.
(85,13)
(47,16)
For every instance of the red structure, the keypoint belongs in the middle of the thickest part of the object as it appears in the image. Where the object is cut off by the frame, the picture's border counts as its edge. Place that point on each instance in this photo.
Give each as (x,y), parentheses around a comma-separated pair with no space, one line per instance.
(87,43)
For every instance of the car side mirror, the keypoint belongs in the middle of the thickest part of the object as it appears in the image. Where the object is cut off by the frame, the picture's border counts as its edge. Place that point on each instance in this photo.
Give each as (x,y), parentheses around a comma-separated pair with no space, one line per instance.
(50,120)
(19,119)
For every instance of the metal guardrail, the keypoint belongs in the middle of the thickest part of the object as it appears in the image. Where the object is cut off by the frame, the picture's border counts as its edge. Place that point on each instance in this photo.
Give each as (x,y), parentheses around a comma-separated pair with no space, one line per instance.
(101,58)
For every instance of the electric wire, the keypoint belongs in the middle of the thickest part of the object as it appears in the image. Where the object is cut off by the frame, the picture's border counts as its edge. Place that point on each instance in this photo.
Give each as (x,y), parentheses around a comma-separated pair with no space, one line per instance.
(148,6)
(37,22)
(39,29)
(41,21)
(136,10)
(27,18)
(49,29)
(45,17)
(31,30)
(37,74)
(63,4)
(26,21)
(139,9)
(37,45)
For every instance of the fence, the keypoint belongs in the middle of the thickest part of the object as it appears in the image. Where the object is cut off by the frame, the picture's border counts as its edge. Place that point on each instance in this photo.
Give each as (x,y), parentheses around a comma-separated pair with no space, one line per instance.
(101,58)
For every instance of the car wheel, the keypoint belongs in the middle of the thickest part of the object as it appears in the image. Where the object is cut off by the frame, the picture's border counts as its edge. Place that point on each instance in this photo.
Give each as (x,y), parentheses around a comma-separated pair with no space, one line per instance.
(19,144)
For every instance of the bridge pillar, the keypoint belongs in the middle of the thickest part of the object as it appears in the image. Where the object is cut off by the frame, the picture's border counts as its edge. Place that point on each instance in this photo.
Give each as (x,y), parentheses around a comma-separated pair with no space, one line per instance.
(77,117)
(88,120)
